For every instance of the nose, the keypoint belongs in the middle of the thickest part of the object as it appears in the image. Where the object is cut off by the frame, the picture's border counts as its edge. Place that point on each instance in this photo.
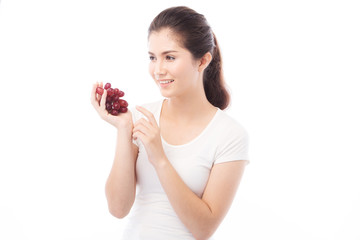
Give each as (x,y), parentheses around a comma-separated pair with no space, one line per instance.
(159,69)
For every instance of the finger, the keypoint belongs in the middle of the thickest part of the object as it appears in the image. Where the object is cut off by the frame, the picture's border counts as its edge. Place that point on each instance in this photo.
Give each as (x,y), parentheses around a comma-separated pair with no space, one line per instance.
(94,94)
(93,98)
(139,135)
(144,122)
(148,114)
(141,128)
(103,99)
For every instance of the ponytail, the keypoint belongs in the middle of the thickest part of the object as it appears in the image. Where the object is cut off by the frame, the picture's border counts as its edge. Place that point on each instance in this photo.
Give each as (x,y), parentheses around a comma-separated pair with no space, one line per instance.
(214,83)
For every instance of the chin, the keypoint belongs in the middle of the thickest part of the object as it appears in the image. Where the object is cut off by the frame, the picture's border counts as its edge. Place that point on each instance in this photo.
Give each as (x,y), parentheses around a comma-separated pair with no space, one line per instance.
(173,92)
(166,94)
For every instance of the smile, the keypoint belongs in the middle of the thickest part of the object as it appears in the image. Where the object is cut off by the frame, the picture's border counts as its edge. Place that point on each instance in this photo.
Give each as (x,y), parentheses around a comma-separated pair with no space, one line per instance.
(165,81)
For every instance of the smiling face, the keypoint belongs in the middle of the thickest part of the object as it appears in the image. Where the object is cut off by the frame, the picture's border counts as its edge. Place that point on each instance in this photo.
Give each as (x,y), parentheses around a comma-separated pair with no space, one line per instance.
(171,66)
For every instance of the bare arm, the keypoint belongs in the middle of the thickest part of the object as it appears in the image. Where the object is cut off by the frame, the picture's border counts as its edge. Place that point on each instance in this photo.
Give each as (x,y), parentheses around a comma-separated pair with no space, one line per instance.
(202,216)
(120,186)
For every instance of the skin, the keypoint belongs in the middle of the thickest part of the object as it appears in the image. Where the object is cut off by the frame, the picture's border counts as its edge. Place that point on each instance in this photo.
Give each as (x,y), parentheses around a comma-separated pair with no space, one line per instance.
(120,186)
(186,108)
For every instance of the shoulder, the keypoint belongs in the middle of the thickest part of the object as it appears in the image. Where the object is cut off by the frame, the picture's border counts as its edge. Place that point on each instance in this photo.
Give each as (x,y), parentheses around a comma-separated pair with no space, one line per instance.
(232,139)
(229,126)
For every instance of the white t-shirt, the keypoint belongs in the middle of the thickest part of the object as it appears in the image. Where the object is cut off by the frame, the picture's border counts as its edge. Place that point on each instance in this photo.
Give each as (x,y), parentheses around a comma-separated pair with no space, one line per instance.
(152,216)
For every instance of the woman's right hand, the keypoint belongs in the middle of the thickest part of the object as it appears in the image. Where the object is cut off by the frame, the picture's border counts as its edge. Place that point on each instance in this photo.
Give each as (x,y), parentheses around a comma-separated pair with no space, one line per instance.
(122,122)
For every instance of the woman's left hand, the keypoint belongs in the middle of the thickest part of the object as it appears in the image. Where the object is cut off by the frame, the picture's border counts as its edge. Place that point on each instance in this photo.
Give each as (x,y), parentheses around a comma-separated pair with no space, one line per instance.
(149,134)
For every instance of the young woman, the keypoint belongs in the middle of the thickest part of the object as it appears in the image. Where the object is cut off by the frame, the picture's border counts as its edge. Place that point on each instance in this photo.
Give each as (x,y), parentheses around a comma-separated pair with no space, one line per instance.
(178,161)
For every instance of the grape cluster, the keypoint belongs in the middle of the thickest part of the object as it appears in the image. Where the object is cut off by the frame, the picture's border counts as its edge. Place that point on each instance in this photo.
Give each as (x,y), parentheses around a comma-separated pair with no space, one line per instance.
(114,105)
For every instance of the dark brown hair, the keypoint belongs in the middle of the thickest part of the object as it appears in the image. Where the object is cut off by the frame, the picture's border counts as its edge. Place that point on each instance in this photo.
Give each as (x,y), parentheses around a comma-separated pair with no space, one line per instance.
(197,37)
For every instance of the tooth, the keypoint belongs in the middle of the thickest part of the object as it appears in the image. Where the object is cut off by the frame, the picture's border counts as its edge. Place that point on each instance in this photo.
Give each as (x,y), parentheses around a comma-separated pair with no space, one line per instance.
(166,81)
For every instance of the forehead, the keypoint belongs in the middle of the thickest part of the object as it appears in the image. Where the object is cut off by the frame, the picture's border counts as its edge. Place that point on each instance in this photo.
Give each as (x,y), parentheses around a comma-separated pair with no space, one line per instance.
(164,40)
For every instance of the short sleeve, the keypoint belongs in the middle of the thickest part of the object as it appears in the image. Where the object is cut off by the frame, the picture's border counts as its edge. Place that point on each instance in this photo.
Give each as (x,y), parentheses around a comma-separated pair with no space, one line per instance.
(233,147)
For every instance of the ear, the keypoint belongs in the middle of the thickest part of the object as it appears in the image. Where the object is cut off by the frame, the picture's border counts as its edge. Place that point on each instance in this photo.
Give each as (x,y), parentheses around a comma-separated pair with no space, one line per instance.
(205,61)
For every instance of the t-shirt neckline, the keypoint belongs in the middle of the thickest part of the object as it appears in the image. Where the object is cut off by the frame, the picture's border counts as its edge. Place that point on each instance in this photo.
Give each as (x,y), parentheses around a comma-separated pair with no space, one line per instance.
(192,140)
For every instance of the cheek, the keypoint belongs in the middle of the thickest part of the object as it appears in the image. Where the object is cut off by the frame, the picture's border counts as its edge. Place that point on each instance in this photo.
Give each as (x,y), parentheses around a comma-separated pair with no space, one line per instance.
(186,71)
(151,70)
(181,70)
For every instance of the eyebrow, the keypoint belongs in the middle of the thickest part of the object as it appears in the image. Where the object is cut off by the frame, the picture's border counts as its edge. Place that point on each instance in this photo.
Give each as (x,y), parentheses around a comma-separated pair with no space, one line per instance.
(164,53)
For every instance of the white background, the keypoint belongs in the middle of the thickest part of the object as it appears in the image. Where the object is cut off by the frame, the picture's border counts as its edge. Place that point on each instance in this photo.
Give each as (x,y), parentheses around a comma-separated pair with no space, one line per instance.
(293,68)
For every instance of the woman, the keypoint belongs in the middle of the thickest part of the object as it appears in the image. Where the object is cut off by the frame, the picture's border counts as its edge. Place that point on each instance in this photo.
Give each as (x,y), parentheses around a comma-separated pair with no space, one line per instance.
(178,161)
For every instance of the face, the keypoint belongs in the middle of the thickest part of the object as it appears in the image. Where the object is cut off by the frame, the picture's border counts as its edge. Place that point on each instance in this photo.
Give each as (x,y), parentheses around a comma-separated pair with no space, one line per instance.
(171,66)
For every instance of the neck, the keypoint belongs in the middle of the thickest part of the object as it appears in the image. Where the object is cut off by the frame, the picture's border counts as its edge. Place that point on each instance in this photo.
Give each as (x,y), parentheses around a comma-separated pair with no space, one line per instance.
(188,107)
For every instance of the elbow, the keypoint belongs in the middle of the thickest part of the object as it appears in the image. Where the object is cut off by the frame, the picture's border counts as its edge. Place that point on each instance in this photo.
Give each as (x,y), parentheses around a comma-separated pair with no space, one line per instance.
(118,212)
(206,231)
(205,234)
(119,208)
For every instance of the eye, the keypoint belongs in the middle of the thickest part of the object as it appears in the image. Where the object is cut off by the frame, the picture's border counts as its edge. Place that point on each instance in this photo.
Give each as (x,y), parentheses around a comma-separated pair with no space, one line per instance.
(152,58)
(170,58)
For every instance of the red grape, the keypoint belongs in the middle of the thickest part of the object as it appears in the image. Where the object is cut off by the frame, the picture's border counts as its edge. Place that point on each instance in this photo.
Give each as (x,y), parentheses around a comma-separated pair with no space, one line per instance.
(116,98)
(114,105)
(108,106)
(99,90)
(123,109)
(108,85)
(123,103)
(114,112)
(110,92)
